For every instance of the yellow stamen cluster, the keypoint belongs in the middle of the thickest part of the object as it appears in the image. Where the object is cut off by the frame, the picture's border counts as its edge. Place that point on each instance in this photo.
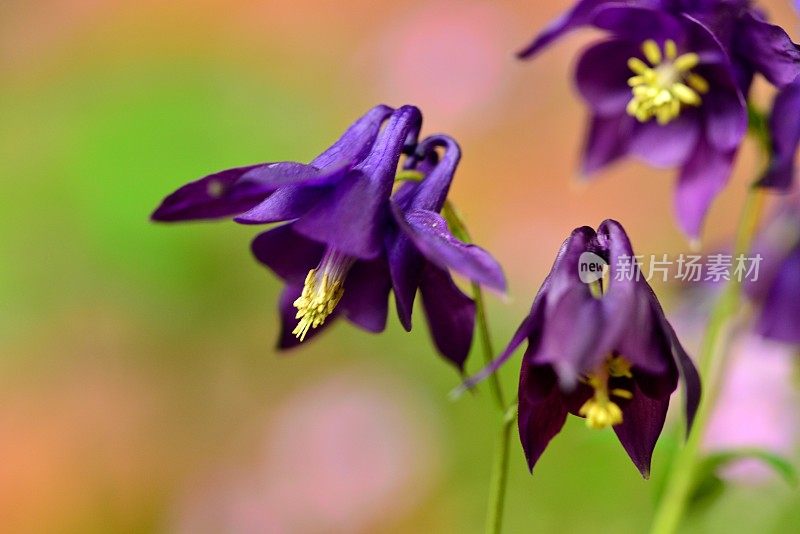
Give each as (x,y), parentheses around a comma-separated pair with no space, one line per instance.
(322,291)
(662,88)
(600,411)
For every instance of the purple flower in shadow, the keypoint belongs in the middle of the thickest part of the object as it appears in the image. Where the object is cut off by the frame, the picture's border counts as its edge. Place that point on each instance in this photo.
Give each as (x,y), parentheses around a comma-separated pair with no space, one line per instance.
(777,289)
(784,130)
(601,350)
(668,86)
(347,241)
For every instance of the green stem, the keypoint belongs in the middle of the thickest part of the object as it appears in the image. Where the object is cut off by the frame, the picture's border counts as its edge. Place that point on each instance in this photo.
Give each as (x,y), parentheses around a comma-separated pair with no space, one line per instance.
(499,480)
(672,506)
(486,344)
(497,487)
(459,230)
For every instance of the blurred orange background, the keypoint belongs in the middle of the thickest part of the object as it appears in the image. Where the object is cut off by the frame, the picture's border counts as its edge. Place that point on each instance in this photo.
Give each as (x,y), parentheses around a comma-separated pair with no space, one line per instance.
(139,390)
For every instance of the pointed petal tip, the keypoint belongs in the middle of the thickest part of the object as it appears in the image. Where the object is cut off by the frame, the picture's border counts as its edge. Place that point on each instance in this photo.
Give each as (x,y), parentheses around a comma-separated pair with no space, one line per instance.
(695,244)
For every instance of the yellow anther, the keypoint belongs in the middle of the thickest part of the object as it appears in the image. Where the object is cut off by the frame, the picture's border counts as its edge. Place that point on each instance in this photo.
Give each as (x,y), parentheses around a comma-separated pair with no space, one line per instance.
(622,393)
(670,49)
(600,411)
(661,89)
(322,291)
(698,83)
(638,66)
(686,62)
(652,52)
(619,366)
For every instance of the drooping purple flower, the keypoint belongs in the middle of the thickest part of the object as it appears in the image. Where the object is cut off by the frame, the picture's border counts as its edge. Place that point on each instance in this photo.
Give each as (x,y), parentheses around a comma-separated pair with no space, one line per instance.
(417,250)
(784,129)
(777,289)
(598,348)
(346,243)
(668,86)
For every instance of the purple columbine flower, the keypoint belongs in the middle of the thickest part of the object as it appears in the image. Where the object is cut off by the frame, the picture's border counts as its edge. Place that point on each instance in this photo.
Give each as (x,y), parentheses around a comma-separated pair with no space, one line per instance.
(668,86)
(347,243)
(784,130)
(777,289)
(416,249)
(598,348)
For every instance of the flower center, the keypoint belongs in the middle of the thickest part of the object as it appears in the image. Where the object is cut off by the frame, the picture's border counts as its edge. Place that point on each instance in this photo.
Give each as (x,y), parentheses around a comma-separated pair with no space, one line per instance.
(662,88)
(600,411)
(322,291)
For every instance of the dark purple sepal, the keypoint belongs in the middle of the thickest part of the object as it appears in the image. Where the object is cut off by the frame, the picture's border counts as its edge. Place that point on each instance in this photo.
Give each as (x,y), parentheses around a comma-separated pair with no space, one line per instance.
(217,195)
(430,234)
(642,421)
(450,314)
(541,410)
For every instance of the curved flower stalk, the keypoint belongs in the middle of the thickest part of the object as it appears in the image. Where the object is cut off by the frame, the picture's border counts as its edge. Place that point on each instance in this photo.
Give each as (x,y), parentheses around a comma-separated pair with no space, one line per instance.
(601,350)
(669,84)
(347,241)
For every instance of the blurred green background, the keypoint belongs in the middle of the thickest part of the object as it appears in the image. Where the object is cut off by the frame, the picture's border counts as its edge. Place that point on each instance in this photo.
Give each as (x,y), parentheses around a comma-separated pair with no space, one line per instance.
(139,390)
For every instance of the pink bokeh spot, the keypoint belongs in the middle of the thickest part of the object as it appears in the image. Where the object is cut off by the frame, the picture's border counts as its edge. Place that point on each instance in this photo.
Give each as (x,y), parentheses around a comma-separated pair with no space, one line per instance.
(446,57)
(340,455)
(757,406)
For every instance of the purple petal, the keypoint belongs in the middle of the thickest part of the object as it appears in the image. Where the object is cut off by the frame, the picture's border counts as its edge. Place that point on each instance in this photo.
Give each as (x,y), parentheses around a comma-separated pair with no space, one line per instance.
(578,16)
(669,144)
(602,76)
(619,302)
(569,336)
(288,254)
(450,313)
(701,179)
(405,267)
(768,49)
(432,191)
(724,108)
(645,344)
(542,411)
(784,127)
(287,203)
(221,194)
(639,23)
(642,421)
(366,295)
(780,313)
(356,142)
(429,232)
(607,140)
(564,274)
(353,217)
(290,173)
(350,219)
(692,388)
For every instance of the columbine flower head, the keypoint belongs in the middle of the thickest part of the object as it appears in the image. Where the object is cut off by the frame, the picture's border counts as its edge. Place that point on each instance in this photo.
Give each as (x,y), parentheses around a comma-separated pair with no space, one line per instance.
(777,289)
(598,348)
(668,86)
(346,243)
